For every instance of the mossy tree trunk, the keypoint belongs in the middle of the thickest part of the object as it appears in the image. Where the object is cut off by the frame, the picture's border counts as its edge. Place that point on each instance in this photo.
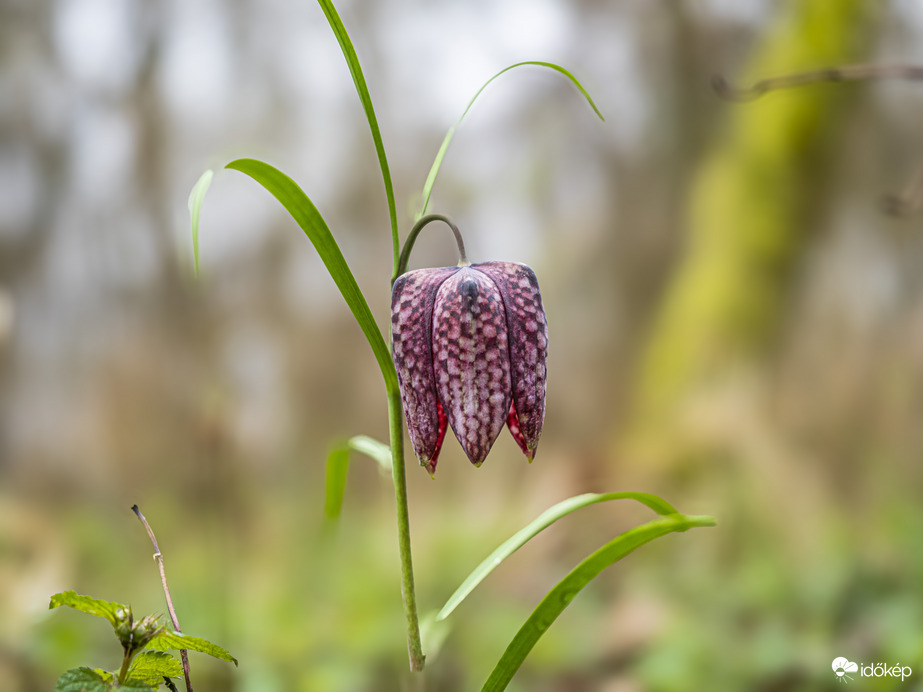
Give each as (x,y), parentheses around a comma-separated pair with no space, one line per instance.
(749,216)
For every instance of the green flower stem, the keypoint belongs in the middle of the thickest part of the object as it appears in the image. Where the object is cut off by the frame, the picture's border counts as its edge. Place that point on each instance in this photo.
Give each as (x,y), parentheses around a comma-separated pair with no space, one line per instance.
(398,472)
(404,260)
(315,228)
(126,662)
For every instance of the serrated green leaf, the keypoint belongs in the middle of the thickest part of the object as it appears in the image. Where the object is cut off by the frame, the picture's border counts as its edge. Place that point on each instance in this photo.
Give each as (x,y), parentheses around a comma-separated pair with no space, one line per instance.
(85,604)
(306,215)
(559,597)
(542,522)
(177,640)
(81,680)
(151,667)
(104,675)
(355,70)
(338,468)
(88,680)
(444,147)
(196,198)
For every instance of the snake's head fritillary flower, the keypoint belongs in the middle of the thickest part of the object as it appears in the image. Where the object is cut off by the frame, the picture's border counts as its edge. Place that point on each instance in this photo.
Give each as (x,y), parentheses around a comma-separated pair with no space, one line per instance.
(469,346)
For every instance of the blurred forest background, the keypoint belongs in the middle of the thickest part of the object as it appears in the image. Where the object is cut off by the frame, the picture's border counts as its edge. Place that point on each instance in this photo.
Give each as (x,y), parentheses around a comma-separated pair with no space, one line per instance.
(735,325)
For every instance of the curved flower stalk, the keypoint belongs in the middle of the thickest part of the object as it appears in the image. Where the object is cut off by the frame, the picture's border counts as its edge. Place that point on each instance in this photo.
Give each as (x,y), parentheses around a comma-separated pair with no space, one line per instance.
(470,345)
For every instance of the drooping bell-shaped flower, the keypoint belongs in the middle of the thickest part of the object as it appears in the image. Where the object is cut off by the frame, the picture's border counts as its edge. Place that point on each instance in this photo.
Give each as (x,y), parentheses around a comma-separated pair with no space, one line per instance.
(469,346)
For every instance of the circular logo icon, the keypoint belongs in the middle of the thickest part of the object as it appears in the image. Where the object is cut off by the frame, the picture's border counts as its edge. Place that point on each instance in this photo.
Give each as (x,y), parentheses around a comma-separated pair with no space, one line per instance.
(842,666)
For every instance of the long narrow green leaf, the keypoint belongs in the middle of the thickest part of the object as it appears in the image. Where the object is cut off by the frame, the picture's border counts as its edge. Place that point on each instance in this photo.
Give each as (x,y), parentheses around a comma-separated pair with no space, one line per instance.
(542,522)
(556,600)
(338,468)
(335,481)
(443,148)
(196,198)
(372,448)
(312,223)
(362,89)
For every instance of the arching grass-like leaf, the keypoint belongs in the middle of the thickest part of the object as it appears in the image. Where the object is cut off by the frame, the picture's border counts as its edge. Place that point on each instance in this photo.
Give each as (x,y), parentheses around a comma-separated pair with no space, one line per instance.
(196,197)
(306,215)
(338,467)
(372,448)
(335,481)
(542,522)
(362,89)
(556,600)
(444,147)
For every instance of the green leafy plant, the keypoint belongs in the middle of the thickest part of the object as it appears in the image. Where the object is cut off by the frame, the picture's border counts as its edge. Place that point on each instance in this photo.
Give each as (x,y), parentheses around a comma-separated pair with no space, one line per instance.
(145,663)
(390,457)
